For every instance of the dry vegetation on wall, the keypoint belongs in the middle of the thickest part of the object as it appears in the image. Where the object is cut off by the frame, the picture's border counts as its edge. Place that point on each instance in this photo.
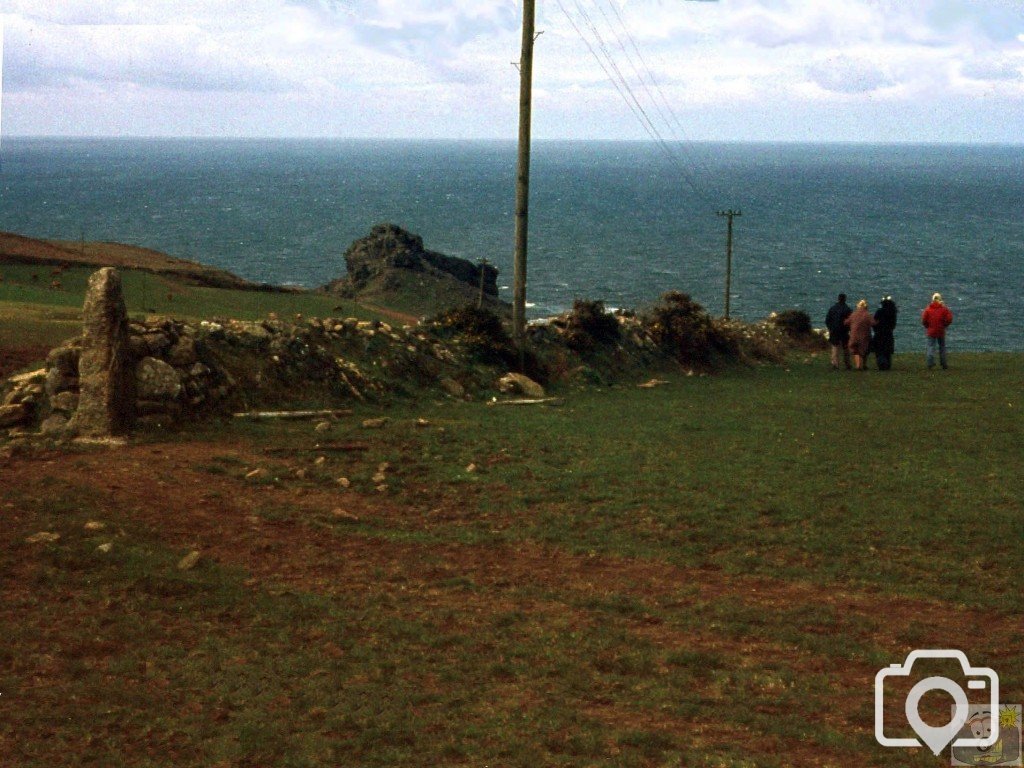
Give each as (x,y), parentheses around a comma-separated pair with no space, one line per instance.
(192,370)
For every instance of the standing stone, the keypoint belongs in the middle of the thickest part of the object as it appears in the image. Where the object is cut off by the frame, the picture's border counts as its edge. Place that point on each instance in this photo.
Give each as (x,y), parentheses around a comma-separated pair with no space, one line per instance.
(106,404)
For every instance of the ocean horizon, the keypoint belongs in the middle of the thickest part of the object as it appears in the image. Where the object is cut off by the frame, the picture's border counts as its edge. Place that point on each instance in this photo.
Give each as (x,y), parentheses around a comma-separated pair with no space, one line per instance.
(619,221)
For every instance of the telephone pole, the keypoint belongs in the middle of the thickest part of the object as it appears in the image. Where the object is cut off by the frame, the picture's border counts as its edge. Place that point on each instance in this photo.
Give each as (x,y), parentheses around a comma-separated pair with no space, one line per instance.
(523,173)
(728,256)
(483,269)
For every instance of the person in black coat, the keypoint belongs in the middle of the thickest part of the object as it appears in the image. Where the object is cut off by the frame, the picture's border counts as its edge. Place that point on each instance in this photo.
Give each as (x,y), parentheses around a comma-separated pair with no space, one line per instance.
(884,342)
(838,333)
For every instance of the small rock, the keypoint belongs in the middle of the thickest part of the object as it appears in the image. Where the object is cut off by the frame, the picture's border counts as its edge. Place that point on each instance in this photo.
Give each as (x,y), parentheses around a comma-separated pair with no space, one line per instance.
(320,461)
(64,401)
(452,387)
(137,347)
(471,468)
(54,424)
(156,342)
(342,514)
(95,525)
(513,383)
(105,548)
(14,415)
(380,477)
(43,537)
(189,561)
(30,377)
(65,357)
(300,474)
(384,466)
(156,380)
(344,482)
(422,423)
(58,380)
(183,353)
(374,423)
(382,488)
(322,426)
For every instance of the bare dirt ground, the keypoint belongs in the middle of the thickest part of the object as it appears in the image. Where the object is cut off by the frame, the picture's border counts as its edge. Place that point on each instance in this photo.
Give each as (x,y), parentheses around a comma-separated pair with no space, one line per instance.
(165,489)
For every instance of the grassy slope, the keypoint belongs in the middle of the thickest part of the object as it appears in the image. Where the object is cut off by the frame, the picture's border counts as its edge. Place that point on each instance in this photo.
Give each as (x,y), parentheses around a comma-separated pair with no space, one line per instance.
(418,294)
(706,574)
(40,254)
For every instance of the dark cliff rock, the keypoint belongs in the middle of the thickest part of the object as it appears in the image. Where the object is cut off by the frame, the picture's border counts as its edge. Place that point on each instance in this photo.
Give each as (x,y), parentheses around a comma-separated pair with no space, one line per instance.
(388,247)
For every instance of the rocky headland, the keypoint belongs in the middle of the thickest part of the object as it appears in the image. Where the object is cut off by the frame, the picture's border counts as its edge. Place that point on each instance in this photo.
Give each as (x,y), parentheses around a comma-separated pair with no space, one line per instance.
(391,267)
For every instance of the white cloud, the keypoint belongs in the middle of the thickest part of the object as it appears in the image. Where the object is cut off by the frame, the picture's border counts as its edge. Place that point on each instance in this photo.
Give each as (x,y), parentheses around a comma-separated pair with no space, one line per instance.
(398,67)
(988,68)
(844,74)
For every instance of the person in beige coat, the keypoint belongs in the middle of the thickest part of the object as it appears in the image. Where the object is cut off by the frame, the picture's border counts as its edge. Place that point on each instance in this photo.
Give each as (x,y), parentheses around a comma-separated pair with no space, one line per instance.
(860,323)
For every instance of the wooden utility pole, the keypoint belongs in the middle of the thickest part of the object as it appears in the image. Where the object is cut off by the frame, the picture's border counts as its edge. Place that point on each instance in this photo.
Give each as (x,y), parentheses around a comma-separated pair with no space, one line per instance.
(483,270)
(523,173)
(728,256)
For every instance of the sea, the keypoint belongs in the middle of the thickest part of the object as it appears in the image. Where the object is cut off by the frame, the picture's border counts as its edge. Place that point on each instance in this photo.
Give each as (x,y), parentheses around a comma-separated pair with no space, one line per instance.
(622,222)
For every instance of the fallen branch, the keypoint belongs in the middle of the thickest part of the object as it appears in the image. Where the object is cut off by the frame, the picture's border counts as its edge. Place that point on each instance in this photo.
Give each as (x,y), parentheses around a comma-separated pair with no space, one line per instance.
(530,401)
(322,448)
(267,415)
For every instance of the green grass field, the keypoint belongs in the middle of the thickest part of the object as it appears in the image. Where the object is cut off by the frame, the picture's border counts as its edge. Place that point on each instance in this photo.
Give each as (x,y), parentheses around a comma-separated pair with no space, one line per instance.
(704,574)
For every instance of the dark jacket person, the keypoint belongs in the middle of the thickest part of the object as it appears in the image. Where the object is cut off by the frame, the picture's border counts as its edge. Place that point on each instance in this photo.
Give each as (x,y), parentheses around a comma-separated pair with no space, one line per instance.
(838,333)
(884,341)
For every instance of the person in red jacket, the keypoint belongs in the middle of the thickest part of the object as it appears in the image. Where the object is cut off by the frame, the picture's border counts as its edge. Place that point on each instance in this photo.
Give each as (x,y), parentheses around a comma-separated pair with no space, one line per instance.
(936,318)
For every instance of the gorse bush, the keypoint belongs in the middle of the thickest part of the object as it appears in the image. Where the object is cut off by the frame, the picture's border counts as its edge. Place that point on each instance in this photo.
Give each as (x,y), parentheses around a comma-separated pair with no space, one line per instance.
(470,321)
(685,331)
(487,341)
(794,322)
(481,330)
(588,325)
(753,342)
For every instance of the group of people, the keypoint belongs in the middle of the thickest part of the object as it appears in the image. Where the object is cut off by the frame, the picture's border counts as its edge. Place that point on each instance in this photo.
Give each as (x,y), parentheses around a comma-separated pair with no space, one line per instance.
(857,332)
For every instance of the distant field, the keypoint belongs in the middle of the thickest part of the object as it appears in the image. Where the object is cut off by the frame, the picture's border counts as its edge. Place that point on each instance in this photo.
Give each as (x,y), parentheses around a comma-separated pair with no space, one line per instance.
(46,254)
(704,574)
(149,293)
(34,313)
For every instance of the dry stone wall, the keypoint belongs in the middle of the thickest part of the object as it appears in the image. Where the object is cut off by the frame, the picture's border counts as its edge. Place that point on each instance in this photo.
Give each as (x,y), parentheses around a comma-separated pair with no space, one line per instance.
(160,371)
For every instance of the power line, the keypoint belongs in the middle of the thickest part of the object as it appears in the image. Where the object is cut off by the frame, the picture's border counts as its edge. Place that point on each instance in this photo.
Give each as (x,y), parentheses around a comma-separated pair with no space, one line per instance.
(618,73)
(608,64)
(629,58)
(629,103)
(681,136)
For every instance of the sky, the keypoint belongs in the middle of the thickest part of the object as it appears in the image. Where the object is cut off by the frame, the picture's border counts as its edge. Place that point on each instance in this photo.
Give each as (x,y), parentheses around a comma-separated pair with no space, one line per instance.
(731,70)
